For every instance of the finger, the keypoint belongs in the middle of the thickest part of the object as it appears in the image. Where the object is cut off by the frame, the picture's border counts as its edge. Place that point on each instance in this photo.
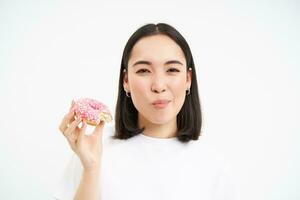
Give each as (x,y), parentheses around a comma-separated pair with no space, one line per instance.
(98,129)
(72,144)
(74,135)
(68,118)
(72,104)
(72,127)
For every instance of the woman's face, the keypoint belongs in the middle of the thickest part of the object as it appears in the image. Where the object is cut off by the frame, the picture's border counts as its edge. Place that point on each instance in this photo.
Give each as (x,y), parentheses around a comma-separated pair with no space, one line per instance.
(157,71)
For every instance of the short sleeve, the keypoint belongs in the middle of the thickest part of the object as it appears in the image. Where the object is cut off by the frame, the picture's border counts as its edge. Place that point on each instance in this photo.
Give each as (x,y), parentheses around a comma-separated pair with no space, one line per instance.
(226,185)
(69,181)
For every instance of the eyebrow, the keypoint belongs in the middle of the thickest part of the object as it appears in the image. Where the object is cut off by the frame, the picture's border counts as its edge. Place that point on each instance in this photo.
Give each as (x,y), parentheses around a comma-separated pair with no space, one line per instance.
(149,63)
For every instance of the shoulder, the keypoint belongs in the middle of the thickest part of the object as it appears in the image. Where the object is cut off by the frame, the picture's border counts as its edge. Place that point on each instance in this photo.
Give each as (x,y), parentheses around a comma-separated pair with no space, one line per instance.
(205,151)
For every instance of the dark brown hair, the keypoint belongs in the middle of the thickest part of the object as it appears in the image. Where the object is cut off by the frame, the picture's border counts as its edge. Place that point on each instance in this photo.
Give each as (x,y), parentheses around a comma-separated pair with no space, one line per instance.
(189,118)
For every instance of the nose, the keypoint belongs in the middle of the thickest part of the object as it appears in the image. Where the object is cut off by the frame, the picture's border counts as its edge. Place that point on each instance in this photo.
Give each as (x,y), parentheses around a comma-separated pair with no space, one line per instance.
(158,84)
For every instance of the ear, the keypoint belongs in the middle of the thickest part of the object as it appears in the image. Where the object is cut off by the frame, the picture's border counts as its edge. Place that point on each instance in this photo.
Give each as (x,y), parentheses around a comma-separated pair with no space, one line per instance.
(189,77)
(125,81)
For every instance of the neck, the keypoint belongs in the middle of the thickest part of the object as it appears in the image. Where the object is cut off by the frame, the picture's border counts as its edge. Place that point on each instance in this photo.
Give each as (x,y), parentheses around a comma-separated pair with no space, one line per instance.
(166,130)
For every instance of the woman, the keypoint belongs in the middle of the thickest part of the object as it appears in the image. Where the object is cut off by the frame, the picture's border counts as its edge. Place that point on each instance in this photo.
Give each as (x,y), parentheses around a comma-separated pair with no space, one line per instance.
(155,152)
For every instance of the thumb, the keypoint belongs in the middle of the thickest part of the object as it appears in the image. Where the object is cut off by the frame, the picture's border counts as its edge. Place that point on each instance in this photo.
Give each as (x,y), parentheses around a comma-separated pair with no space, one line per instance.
(99,128)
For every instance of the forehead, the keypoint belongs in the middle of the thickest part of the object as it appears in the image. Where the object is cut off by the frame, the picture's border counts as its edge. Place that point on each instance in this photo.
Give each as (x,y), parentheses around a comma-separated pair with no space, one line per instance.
(156,48)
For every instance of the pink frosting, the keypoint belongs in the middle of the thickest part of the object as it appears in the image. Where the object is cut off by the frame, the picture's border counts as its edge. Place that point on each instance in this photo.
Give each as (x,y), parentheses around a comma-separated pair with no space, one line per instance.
(89,109)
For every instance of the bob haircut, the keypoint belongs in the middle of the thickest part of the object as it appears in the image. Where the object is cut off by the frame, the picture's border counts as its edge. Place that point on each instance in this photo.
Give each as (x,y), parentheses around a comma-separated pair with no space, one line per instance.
(189,118)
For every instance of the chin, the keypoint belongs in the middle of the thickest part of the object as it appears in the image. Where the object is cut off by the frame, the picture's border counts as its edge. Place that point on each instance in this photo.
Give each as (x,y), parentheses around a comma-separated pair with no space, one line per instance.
(160,120)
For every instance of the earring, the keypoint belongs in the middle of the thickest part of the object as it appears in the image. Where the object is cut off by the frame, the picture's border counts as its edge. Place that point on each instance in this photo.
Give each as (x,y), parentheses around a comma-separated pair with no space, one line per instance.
(128,94)
(188,91)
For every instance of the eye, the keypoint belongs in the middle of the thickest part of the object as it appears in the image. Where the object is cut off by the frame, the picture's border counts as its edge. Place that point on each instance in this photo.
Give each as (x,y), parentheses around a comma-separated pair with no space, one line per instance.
(173,70)
(142,71)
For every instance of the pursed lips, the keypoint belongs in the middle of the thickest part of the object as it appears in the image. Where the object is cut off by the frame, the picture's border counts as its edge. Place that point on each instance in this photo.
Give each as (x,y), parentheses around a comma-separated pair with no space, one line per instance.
(162,101)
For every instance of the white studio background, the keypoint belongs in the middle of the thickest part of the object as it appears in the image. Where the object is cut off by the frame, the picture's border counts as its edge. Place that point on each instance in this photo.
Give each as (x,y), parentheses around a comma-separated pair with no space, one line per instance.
(247,61)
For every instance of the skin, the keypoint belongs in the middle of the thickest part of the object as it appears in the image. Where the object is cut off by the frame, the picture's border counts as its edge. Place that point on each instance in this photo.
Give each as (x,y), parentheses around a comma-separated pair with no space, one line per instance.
(157,79)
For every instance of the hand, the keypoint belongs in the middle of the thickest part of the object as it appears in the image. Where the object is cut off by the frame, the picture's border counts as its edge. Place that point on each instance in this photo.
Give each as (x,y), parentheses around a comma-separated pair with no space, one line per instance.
(87,147)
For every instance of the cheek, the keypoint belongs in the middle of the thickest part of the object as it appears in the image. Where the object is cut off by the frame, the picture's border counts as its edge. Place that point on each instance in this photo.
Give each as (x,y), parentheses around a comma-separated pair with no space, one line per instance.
(179,91)
(138,86)
(138,90)
(178,87)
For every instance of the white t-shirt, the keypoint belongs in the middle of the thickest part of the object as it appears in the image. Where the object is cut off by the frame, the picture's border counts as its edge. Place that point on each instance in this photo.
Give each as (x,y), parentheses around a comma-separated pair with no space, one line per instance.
(148,168)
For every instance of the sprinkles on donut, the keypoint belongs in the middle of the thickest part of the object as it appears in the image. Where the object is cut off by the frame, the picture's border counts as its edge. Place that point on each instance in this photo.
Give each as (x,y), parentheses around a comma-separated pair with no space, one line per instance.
(93,111)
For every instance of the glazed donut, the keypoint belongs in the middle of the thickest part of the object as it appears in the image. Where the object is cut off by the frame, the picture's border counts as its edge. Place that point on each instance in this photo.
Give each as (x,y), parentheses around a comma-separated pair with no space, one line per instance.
(91,110)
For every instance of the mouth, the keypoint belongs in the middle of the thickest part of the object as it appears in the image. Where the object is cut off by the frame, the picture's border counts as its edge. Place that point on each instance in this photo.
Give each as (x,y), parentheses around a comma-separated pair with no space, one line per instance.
(159,104)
